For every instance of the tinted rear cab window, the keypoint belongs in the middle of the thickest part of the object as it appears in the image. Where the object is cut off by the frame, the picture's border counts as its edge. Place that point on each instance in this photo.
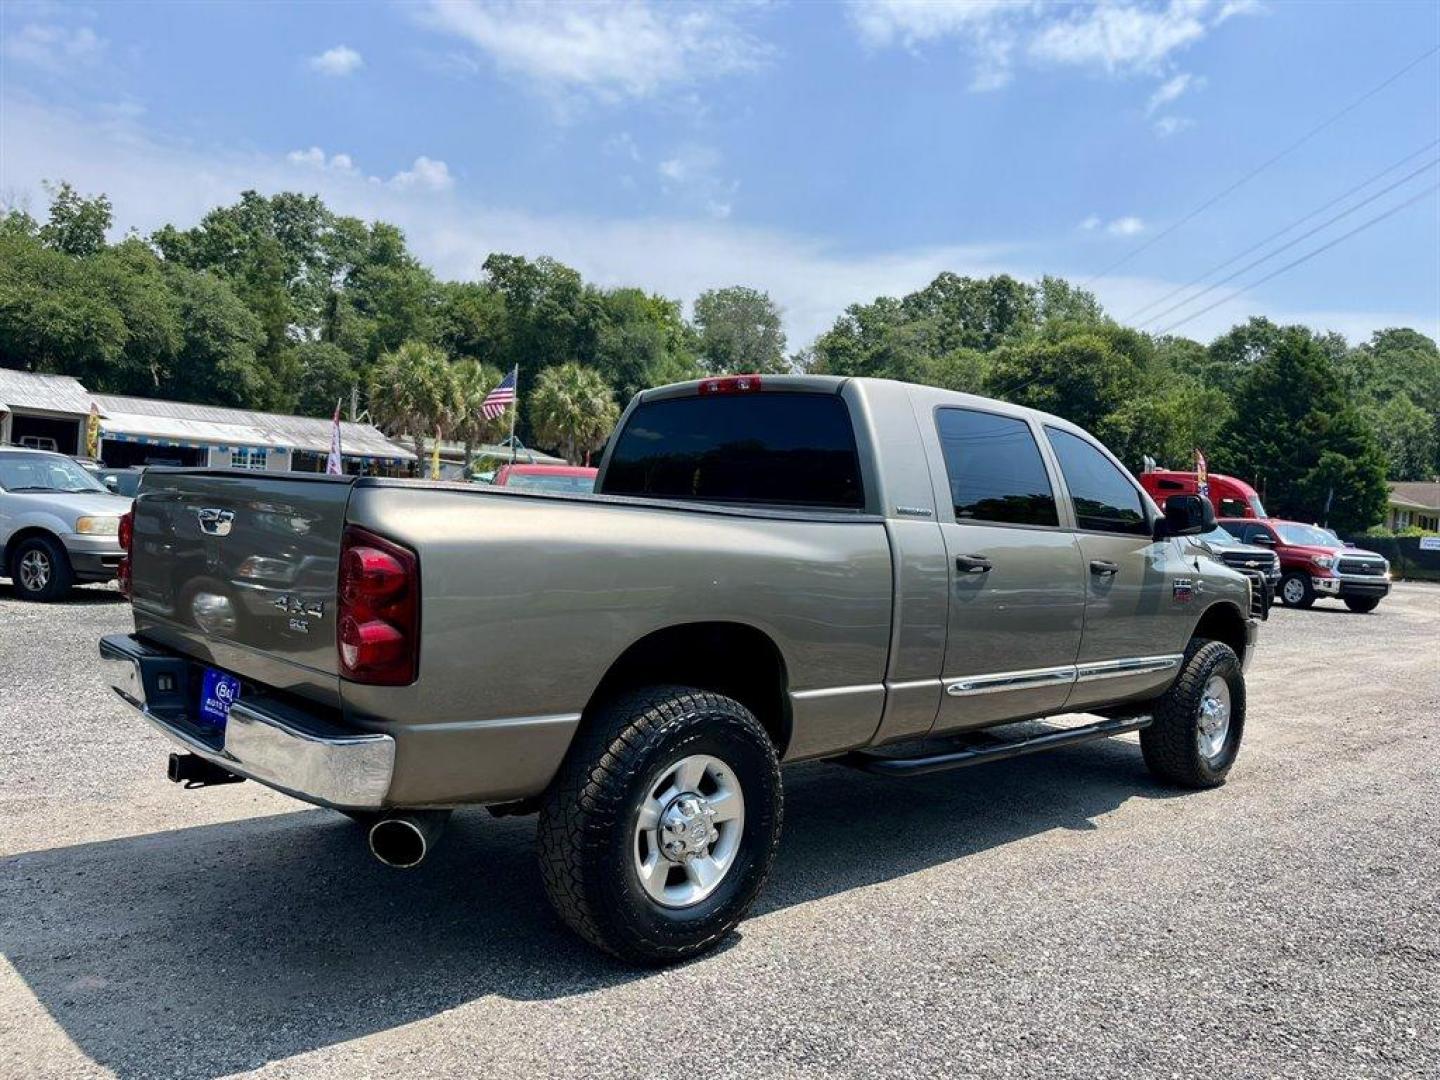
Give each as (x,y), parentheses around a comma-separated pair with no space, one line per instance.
(768,448)
(994,468)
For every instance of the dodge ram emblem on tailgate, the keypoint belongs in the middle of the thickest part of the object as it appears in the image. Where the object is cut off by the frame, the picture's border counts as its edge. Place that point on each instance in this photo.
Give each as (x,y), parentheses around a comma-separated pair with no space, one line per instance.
(214,521)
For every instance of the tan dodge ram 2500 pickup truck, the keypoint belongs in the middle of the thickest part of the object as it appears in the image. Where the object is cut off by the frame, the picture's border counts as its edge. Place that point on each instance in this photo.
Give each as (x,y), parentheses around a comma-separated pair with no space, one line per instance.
(773,569)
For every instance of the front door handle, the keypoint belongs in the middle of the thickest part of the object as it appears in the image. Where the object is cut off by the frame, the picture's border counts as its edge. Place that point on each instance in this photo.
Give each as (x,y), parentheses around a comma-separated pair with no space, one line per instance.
(972,564)
(1102,568)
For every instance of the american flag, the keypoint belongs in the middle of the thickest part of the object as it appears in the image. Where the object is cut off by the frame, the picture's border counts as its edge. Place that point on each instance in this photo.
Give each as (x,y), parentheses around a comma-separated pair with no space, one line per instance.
(502,397)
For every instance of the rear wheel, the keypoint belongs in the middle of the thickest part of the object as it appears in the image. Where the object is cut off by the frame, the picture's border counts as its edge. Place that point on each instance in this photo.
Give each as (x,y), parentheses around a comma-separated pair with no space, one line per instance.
(40,569)
(1195,736)
(660,828)
(1362,603)
(1296,591)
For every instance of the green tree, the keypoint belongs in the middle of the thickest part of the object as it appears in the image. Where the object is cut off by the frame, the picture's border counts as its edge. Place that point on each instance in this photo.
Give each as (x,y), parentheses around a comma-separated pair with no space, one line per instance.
(413,391)
(77,225)
(216,358)
(739,331)
(1407,437)
(642,341)
(572,409)
(54,317)
(325,374)
(1081,376)
(1296,432)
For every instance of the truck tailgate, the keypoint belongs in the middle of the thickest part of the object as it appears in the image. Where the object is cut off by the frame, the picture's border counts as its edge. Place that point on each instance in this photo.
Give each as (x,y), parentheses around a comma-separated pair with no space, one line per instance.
(239,570)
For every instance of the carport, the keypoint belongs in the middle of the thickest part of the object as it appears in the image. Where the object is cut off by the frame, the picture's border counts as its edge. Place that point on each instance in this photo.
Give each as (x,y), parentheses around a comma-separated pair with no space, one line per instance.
(47,412)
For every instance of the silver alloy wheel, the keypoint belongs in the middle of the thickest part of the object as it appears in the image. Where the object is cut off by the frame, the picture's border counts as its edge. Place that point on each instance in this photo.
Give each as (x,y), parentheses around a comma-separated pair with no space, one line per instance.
(1293,590)
(688,830)
(34,570)
(1214,725)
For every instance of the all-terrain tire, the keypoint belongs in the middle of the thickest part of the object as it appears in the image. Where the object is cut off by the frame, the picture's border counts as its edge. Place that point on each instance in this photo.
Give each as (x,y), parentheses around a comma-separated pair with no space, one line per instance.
(1296,591)
(588,819)
(1362,604)
(1172,742)
(40,570)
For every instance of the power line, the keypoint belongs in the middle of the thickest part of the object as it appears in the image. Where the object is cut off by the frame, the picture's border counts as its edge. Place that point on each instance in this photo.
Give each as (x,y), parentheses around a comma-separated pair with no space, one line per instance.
(1262,167)
(1289,244)
(1307,256)
(1279,232)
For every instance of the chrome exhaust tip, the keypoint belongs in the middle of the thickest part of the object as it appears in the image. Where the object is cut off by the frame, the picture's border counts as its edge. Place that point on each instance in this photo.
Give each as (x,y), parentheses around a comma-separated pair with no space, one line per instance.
(404,840)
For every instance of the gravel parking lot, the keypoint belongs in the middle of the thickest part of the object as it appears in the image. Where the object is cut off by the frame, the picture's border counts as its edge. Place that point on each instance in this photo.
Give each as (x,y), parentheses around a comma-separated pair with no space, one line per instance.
(1055,916)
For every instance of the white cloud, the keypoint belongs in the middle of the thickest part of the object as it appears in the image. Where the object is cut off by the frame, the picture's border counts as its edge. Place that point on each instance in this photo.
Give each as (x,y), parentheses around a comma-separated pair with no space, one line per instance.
(610,49)
(152,182)
(692,174)
(1172,89)
(1165,126)
(1124,37)
(426,174)
(341,60)
(1121,37)
(317,159)
(54,48)
(1121,226)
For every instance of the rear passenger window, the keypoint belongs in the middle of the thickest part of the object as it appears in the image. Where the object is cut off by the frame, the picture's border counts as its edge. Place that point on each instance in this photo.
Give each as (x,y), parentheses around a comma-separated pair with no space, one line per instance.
(781,449)
(1105,499)
(995,469)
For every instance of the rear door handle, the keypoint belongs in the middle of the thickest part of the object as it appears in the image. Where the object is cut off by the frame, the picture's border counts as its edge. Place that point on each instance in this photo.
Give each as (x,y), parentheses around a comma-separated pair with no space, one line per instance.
(1102,568)
(972,564)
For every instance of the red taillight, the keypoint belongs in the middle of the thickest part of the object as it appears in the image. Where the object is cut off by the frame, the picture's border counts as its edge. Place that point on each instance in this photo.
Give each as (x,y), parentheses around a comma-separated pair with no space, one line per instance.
(731,384)
(127,545)
(378,634)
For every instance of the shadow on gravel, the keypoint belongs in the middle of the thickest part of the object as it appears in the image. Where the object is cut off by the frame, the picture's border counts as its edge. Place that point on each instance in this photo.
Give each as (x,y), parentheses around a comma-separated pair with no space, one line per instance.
(80,596)
(205,951)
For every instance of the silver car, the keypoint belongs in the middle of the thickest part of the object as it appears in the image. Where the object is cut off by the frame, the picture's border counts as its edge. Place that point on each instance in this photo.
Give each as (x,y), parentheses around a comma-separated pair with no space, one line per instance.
(59,525)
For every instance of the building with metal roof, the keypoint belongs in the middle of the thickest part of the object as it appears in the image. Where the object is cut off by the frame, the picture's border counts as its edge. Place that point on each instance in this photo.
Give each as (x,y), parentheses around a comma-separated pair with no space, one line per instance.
(50,411)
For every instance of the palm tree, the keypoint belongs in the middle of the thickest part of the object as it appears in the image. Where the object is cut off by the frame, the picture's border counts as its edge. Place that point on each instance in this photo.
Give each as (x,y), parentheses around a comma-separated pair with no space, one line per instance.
(413,391)
(572,408)
(473,380)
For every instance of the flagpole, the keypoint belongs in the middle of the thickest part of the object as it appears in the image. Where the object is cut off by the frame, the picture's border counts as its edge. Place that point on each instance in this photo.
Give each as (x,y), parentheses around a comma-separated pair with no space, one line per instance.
(514,408)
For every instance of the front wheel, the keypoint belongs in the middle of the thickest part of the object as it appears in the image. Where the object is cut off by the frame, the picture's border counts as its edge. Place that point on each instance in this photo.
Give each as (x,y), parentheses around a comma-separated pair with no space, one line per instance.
(1296,591)
(1195,735)
(660,828)
(41,570)
(1362,604)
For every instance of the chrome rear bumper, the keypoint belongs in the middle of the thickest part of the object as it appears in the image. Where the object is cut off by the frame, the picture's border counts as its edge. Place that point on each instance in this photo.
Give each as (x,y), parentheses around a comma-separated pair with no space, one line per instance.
(265,740)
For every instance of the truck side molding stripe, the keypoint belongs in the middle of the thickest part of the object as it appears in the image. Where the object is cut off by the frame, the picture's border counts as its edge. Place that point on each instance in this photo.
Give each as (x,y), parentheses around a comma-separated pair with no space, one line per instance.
(836,691)
(1133,665)
(1060,676)
(1011,680)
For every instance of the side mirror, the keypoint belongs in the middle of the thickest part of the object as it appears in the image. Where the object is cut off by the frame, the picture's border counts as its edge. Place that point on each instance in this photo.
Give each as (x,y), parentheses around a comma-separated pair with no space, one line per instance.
(1185,515)
(113,484)
(1262,538)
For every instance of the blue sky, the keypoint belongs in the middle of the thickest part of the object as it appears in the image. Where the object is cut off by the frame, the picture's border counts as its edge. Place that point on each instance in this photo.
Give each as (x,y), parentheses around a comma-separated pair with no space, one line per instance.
(826,152)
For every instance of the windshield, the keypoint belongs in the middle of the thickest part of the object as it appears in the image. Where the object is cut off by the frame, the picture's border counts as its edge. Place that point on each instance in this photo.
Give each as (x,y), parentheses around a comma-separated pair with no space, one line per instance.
(1217,535)
(583,485)
(1308,534)
(44,472)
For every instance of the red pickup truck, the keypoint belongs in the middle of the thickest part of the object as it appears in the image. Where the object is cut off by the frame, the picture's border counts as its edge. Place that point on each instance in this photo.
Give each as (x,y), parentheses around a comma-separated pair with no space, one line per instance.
(1315,563)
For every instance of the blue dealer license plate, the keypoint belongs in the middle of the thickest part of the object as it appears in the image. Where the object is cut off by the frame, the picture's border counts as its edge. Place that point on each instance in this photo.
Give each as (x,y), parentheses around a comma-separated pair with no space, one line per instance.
(218,692)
